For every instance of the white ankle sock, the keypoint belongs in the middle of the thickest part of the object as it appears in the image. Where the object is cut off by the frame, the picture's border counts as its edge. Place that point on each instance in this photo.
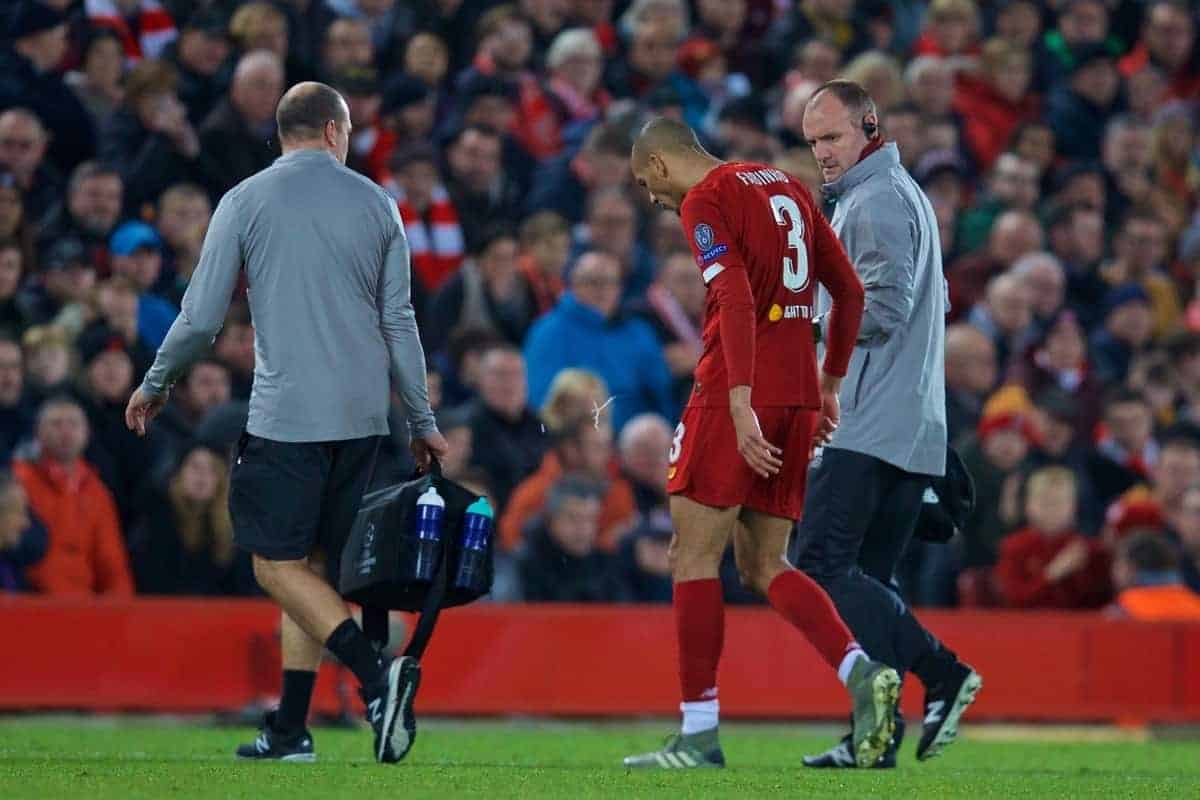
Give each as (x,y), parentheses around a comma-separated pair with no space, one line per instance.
(700,716)
(848,663)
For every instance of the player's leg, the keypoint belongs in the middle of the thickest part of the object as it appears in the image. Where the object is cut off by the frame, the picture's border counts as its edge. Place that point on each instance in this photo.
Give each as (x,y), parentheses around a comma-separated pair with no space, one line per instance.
(301,660)
(873,686)
(701,535)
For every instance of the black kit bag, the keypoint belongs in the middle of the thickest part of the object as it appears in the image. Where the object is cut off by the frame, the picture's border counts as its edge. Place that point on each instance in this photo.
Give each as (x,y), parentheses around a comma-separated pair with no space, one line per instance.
(945,513)
(385,566)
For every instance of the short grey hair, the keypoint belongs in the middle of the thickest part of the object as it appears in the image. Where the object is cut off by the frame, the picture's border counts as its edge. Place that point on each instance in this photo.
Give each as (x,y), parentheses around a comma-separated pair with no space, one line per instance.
(638,428)
(1027,263)
(922,64)
(572,43)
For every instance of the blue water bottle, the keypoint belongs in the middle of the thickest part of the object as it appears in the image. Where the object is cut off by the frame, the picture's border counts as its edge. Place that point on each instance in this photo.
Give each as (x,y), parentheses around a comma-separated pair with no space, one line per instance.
(430,510)
(477,534)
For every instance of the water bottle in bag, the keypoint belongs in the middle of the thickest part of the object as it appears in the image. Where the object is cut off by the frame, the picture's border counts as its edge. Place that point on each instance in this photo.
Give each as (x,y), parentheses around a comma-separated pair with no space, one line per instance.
(477,534)
(430,510)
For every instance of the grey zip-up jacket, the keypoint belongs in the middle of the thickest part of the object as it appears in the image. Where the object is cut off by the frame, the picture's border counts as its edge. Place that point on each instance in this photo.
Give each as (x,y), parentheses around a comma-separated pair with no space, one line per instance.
(327,265)
(894,394)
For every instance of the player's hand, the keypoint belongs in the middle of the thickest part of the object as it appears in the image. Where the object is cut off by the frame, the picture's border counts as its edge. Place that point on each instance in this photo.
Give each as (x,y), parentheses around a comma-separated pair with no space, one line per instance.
(428,447)
(141,409)
(762,456)
(831,411)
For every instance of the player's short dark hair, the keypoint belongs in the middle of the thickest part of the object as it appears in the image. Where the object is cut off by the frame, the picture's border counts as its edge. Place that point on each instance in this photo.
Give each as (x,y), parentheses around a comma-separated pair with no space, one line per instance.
(1149,552)
(306,108)
(663,134)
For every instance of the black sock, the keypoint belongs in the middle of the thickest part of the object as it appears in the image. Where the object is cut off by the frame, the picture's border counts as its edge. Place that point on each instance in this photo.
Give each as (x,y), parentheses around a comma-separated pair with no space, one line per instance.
(292,715)
(354,649)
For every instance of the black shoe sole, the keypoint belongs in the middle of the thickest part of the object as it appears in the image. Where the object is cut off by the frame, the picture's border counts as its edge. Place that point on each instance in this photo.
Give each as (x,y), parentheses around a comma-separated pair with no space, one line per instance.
(948,730)
(293,758)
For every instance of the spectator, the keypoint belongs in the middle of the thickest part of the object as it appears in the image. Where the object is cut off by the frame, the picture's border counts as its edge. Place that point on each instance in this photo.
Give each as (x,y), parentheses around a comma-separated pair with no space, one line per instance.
(1076,238)
(1012,184)
(1149,584)
(117,307)
(29,78)
(1058,358)
(1139,258)
(13,224)
(1185,530)
(644,446)
(1059,445)
(200,391)
(1049,564)
(456,427)
(360,88)
(95,195)
(993,102)
(611,227)
(98,82)
(644,559)
(1128,157)
(1046,282)
(263,26)
(1078,107)
(87,552)
(508,441)
(1019,22)
(903,123)
(831,21)
(1080,25)
(136,252)
(585,330)
(482,192)
(238,137)
(199,58)
(1035,141)
(234,348)
(574,393)
(929,84)
(1128,329)
(181,221)
(571,98)
(23,146)
(674,307)
(48,361)
(1159,490)
(650,63)
(1005,316)
(120,458)
(347,44)
(14,318)
(144,26)
(1125,450)
(487,293)
(565,184)
(16,414)
(149,137)
(545,247)
(22,538)
(583,448)
(431,223)
(1168,43)
(971,372)
(494,103)
(1174,173)
(994,457)
(427,59)
(1014,234)
(951,31)
(183,541)
(560,562)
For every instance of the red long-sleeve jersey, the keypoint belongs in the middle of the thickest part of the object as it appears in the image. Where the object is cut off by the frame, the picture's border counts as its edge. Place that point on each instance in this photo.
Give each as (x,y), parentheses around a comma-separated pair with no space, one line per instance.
(762,246)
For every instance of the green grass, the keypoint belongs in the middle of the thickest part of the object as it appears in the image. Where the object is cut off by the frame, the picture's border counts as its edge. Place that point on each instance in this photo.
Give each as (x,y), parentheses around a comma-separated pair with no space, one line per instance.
(138,759)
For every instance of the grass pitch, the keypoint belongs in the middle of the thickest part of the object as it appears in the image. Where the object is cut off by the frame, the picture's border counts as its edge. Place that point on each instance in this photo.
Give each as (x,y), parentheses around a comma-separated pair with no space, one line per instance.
(99,760)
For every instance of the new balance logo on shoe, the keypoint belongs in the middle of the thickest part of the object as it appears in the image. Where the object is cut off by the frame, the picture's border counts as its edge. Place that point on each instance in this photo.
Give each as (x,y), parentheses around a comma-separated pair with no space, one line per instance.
(933,712)
(374,709)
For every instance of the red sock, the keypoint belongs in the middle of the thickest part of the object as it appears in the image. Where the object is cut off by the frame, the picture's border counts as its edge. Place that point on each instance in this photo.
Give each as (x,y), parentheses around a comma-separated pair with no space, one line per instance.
(802,602)
(700,628)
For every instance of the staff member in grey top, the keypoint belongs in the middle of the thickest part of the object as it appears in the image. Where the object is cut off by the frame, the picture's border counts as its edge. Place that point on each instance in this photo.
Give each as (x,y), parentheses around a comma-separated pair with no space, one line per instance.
(865,493)
(327,264)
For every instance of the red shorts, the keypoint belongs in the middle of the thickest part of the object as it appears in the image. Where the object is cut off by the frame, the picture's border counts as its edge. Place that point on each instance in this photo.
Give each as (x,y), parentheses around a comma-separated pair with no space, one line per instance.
(707,467)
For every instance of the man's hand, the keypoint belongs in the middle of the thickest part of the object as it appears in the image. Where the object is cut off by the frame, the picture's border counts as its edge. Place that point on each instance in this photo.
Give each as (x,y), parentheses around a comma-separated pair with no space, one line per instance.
(428,447)
(831,411)
(141,409)
(761,455)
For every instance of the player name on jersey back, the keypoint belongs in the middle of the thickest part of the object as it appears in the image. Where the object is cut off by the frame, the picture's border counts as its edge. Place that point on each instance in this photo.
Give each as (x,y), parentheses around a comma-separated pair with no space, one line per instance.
(762,177)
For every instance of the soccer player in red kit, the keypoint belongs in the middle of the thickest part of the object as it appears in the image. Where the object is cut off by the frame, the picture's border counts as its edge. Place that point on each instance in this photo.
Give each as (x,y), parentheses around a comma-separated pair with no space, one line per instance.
(758,408)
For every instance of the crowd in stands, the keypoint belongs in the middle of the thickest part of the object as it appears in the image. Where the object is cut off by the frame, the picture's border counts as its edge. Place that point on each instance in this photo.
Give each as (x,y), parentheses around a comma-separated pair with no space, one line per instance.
(561,312)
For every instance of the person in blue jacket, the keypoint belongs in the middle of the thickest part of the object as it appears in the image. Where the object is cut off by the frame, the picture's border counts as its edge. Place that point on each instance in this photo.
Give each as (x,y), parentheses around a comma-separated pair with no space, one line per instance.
(585,330)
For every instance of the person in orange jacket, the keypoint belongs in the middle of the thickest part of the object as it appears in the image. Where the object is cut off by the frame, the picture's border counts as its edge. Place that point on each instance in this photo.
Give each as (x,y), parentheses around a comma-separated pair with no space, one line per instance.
(87,551)
(1146,573)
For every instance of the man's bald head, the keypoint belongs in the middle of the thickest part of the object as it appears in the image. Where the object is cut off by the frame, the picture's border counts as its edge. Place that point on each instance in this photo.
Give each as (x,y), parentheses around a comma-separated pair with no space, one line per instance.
(663,135)
(306,109)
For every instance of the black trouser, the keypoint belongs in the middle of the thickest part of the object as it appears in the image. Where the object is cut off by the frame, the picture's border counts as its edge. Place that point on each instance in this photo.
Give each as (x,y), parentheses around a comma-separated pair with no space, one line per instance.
(859,514)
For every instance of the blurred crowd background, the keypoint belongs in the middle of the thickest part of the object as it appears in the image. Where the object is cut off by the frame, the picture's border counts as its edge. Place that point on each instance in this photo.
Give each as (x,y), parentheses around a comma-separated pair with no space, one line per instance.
(561,312)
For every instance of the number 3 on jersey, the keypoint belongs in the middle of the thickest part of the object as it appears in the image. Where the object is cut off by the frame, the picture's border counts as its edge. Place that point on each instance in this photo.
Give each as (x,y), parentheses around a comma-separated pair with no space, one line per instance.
(676,444)
(795,271)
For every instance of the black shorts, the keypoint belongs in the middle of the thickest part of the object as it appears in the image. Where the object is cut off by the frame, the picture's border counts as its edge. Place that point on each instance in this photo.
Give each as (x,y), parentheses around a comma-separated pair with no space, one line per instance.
(288,499)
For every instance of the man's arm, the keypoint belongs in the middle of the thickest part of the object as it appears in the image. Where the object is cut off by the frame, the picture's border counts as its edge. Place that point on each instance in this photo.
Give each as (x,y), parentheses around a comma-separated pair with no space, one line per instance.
(398,323)
(881,243)
(205,302)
